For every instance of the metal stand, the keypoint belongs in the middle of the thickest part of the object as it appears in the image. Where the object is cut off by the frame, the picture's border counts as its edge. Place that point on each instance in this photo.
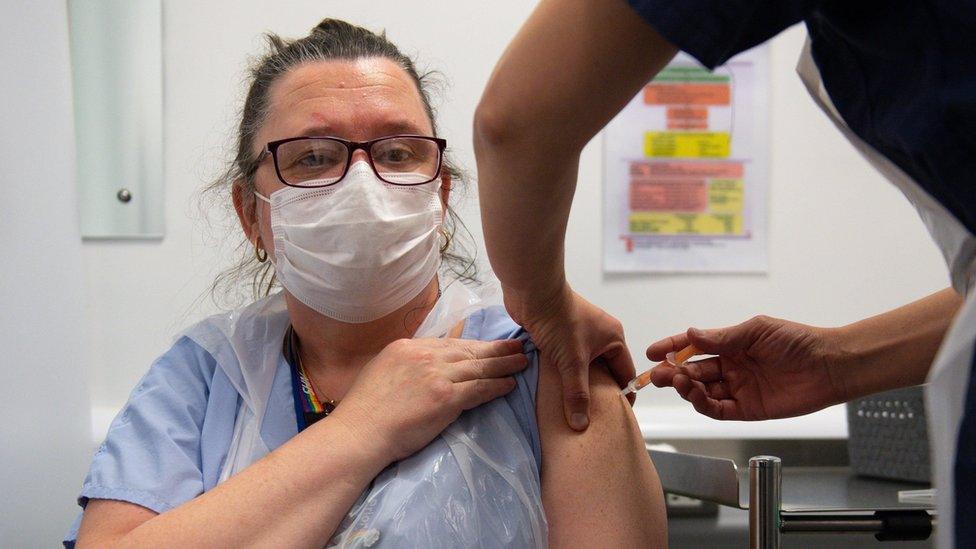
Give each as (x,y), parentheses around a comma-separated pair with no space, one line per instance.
(765,496)
(808,500)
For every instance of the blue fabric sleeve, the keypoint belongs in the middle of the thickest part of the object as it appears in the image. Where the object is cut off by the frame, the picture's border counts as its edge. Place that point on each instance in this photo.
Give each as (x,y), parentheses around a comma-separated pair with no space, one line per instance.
(494,323)
(522,398)
(712,31)
(151,455)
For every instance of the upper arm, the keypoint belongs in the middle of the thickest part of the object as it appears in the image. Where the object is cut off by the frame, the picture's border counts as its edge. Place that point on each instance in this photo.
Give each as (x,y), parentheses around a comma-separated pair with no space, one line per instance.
(570,69)
(599,487)
(150,461)
(106,521)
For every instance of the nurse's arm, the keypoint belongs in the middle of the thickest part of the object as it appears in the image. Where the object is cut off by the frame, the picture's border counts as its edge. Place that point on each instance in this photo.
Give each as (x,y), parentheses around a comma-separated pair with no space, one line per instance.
(295,496)
(769,368)
(572,67)
(599,487)
(897,348)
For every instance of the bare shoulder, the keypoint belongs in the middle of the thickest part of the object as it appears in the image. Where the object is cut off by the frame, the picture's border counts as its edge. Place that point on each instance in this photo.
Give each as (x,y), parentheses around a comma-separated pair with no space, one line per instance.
(599,487)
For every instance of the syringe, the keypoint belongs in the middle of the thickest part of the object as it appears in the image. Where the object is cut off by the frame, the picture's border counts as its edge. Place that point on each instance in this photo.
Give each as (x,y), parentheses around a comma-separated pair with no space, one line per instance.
(672,358)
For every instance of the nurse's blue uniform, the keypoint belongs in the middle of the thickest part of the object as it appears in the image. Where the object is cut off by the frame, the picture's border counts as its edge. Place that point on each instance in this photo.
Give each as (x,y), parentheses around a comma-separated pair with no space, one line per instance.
(898,78)
(170,441)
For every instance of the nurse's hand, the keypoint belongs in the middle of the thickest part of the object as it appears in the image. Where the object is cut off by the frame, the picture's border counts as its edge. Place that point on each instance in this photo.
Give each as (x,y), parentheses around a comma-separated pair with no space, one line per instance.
(766,368)
(414,388)
(571,334)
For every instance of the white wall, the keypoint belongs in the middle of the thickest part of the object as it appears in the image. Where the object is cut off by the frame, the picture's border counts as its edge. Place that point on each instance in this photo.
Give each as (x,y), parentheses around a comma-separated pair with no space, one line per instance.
(44,406)
(843,244)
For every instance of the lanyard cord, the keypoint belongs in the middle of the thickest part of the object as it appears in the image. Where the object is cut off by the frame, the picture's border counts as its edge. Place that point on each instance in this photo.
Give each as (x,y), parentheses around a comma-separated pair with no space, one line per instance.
(310,408)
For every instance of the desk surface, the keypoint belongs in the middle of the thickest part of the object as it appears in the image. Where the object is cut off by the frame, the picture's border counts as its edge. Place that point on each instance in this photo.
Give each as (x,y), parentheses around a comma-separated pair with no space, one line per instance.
(836,489)
(804,489)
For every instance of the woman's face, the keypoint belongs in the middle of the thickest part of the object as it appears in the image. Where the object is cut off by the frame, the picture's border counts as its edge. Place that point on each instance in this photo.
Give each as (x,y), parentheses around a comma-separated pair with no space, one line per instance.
(355,100)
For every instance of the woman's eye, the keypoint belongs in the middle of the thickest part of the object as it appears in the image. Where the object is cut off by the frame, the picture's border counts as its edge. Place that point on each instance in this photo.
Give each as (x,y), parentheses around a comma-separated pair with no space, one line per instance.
(397,155)
(312,160)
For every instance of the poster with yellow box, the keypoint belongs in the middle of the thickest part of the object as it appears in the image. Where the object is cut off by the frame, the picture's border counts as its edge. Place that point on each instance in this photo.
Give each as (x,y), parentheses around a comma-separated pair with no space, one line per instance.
(686,171)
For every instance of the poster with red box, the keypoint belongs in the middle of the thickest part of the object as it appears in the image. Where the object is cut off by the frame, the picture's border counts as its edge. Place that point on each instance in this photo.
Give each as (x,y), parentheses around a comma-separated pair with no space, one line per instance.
(686,171)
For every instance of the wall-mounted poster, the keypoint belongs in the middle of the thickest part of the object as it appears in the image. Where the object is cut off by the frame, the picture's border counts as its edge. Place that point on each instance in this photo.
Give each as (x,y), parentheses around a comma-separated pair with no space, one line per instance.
(686,171)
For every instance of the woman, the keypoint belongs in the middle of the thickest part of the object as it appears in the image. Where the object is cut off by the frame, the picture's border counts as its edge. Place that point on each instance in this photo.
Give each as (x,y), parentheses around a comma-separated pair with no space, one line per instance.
(318,416)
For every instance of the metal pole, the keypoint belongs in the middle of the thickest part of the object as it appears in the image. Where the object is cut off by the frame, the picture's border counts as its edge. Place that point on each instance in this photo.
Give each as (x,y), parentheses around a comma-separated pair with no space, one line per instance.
(765,478)
(891,525)
(834,524)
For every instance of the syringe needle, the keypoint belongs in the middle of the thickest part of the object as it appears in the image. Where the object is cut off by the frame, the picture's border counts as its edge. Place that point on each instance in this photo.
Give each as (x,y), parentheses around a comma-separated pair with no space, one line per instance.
(630,388)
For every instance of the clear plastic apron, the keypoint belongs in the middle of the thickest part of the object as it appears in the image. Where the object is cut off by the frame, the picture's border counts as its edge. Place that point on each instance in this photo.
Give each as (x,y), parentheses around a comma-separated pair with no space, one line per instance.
(949,375)
(480,453)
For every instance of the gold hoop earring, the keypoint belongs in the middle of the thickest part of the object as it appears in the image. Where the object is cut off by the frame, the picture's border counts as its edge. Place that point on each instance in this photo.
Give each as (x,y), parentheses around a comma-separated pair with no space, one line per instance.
(260,253)
(447,239)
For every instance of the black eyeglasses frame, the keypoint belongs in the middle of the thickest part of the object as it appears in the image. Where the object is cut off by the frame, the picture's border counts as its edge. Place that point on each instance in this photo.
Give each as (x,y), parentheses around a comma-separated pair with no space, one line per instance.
(271,149)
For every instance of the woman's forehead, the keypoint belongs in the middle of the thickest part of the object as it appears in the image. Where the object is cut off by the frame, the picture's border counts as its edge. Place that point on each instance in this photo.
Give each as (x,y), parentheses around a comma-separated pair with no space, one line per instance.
(354,99)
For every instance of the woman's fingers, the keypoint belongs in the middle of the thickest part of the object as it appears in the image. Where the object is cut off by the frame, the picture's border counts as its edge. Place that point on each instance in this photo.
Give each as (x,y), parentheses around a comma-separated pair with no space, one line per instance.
(456,350)
(492,367)
(475,392)
(658,350)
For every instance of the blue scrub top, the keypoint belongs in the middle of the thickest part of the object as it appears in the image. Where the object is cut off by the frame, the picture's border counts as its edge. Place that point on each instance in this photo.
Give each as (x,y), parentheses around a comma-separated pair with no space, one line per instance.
(902,73)
(169,442)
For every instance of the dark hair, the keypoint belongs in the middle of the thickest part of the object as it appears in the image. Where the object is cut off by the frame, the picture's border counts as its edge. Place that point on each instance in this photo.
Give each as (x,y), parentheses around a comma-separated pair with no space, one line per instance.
(331,39)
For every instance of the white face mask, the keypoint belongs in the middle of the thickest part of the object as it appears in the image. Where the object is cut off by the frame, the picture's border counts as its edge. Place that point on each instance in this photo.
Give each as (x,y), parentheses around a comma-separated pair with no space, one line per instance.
(360,249)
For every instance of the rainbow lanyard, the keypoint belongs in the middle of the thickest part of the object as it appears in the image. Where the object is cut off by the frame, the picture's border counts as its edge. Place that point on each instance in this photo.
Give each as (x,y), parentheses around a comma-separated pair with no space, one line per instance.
(310,401)
(308,407)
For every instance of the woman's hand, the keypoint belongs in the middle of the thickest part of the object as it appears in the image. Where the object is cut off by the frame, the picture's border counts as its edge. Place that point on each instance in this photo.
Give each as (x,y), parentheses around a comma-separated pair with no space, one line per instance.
(414,388)
(766,368)
(571,334)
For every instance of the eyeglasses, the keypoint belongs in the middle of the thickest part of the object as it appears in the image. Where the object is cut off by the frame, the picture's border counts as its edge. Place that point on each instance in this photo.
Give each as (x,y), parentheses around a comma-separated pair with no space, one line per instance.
(323,161)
